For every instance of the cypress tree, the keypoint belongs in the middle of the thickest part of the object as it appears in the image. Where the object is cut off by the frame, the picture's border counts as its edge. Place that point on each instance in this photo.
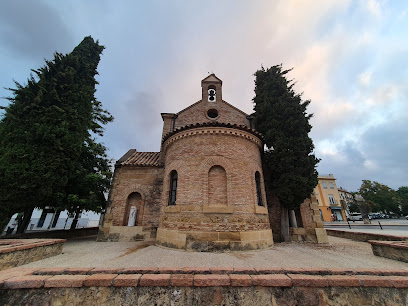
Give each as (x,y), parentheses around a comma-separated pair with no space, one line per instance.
(289,162)
(49,155)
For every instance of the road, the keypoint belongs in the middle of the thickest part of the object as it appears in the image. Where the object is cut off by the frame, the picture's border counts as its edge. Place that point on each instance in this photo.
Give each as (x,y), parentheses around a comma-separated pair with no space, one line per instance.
(397,227)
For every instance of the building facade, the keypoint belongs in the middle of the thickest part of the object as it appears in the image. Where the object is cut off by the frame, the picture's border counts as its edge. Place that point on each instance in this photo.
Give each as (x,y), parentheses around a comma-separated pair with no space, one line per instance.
(346,200)
(204,190)
(328,198)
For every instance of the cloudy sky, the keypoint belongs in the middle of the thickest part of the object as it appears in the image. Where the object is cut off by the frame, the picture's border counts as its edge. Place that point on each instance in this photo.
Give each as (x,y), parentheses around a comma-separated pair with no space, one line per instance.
(349,57)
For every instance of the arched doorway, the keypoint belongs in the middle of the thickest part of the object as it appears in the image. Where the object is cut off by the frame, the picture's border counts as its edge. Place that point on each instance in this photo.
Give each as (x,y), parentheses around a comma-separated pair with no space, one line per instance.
(134,210)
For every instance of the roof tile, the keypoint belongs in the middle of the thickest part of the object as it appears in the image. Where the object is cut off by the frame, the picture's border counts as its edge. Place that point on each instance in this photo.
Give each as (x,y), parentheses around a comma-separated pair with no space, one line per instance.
(142,159)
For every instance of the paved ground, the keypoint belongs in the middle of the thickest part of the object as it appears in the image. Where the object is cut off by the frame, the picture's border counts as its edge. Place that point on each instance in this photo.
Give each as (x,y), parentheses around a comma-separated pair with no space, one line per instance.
(384,231)
(339,253)
(396,227)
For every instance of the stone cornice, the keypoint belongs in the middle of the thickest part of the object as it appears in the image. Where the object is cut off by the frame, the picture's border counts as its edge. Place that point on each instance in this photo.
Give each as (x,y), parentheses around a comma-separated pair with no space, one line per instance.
(215,128)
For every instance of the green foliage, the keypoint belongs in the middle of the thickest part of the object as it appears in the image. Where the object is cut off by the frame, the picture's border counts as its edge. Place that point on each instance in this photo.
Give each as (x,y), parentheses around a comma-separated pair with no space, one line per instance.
(280,115)
(48,152)
(381,197)
(403,199)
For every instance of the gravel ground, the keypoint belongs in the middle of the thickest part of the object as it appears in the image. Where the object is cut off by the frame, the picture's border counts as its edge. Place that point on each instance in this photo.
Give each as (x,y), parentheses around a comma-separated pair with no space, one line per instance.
(339,253)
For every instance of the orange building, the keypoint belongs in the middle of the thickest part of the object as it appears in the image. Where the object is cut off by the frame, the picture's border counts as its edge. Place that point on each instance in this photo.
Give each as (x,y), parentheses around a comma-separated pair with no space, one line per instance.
(328,199)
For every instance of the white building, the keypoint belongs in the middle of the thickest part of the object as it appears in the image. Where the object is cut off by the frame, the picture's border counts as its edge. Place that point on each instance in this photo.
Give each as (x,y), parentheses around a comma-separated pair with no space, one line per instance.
(47,219)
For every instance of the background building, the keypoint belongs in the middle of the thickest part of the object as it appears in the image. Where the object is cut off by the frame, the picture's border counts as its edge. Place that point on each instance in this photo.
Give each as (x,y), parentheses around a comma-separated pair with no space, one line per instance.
(48,219)
(328,198)
(346,200)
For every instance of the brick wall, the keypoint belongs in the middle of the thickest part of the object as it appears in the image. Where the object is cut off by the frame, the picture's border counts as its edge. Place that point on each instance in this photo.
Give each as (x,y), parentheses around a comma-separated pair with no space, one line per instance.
(217,186)
(197,113)
(147,181)
(192,156)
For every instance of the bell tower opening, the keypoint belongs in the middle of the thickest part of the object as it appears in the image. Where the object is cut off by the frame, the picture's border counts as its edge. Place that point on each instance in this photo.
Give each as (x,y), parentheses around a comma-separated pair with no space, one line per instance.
(211,89)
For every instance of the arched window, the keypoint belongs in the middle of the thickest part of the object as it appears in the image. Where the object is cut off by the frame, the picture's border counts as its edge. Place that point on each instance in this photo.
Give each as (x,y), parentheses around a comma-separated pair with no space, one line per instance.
(258,189)
(217,186)
(173,187)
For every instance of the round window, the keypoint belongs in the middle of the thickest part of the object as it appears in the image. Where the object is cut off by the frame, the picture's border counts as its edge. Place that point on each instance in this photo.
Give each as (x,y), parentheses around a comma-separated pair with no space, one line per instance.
(212,113)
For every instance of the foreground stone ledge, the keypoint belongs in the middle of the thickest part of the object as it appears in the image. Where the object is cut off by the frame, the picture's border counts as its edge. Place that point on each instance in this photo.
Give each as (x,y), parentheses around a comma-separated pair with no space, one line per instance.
(155,280)
(182,280)
(127,280)
(26,278)
(17,252)
(397,250)
(272,280)
(240,280)
(309,280)
(140,270)
(211,280)
(99,280)
(27,281)
(343,281)
(65,281)
(375,281)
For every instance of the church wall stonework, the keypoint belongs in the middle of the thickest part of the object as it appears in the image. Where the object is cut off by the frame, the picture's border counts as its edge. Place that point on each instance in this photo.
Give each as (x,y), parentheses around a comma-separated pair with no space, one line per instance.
(197,223)
(198,114)
(147,181)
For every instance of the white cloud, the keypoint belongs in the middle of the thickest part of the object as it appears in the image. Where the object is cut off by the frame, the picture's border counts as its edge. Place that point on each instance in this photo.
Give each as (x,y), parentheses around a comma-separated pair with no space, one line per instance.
(365,78)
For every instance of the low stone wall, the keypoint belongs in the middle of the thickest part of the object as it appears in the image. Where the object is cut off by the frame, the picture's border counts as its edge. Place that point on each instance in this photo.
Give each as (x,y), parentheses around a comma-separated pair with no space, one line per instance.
(62,234)
(15,253)
(203,286)
(397,250)
(202,241)
(364,236)
(316,235)
(127,233)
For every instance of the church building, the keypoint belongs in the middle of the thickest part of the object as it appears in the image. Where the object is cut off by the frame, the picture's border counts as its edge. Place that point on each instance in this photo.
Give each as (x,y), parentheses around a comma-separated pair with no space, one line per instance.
(204,190)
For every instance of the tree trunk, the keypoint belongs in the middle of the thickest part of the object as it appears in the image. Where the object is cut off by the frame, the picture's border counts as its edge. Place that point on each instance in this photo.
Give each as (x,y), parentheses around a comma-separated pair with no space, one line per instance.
(26,220)
(364,214)
(75,221)
(284,224)
(292,218)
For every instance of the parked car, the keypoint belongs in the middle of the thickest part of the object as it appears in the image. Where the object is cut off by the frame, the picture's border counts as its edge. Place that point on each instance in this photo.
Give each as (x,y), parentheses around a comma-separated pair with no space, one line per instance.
(406,217)
(355,217)
(375,215)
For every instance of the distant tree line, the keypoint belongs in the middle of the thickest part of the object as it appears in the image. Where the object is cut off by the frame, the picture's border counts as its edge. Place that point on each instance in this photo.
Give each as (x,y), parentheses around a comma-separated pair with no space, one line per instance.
(382,198)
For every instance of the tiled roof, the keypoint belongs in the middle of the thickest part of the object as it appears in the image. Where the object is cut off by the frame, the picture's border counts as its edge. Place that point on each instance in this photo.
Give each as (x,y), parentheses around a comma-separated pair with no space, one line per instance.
(134,158)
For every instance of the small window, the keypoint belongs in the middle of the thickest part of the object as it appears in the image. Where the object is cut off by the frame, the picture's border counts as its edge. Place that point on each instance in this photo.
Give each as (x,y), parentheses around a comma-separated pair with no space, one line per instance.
(331,199)
(331,185)
(258,188)
(324,185)
(212,113)
(173,187)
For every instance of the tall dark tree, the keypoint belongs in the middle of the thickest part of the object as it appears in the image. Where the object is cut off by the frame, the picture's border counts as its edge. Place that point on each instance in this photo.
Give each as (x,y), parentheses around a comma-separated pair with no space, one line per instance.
(49,155)
(289,161)
(403,199)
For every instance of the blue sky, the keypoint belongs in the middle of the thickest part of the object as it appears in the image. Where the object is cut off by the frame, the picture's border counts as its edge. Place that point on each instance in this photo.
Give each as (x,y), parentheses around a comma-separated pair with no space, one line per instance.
(349,57)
